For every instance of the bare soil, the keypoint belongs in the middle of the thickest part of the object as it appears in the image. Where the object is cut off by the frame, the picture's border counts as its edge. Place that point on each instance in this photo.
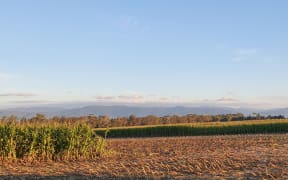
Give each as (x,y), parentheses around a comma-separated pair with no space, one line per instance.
(210,157)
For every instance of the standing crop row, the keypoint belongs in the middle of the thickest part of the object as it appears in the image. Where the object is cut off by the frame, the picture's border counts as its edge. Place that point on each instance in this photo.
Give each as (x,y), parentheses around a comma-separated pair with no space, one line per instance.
(49,143)
(187,130)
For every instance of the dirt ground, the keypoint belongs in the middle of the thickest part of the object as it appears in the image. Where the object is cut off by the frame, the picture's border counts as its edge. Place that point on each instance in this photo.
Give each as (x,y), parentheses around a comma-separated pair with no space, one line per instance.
(210,157)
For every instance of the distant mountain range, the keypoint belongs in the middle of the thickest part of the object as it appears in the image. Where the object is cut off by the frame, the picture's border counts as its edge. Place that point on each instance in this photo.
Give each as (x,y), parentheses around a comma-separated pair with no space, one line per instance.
(120,111)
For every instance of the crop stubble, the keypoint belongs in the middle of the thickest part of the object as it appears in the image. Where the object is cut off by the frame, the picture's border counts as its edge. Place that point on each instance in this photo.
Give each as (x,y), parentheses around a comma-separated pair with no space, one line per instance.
(176,157)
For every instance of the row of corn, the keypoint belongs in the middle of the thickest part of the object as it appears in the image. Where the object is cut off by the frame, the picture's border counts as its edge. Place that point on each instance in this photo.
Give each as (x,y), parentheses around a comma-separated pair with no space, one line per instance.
(188,130)
(49,143)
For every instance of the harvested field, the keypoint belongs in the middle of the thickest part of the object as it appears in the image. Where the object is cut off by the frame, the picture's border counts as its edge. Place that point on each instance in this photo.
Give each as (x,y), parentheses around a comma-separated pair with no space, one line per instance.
(230,157)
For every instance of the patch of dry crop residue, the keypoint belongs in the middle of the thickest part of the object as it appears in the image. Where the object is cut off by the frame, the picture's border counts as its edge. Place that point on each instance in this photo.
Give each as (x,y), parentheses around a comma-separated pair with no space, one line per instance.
(258,156)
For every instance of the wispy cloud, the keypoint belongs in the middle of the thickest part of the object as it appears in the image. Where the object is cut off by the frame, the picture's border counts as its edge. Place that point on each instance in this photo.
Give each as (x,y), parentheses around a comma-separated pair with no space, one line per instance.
(122,97)
(243,54)
(32,102)
(136,97)
(17,95)
(130,97)
(163,99)
(270,101)
(105,98)
(228,97)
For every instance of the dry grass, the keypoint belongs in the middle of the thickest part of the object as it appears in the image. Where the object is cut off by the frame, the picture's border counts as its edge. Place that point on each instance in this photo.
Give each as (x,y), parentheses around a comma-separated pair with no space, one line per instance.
(256,156)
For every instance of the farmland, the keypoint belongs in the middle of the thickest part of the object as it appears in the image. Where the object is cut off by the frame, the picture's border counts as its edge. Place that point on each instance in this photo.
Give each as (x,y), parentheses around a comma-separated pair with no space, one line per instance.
(196,129)
(28,143)
(237,149)
(233,156)
(144,90)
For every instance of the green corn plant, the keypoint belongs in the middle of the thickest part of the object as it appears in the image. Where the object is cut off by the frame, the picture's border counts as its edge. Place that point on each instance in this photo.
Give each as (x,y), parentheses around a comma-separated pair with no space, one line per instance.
(48,142)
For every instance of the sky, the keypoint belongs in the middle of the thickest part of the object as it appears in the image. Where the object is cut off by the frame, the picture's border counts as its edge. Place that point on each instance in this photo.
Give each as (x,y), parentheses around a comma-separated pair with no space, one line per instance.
(224,52)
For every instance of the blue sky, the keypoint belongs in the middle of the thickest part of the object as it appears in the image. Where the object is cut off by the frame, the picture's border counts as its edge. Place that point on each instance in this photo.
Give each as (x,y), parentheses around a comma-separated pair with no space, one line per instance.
(164,51)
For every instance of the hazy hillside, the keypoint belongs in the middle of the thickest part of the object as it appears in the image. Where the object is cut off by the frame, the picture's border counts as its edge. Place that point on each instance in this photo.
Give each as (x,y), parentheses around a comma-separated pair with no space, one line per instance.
(120,111)
(282,111)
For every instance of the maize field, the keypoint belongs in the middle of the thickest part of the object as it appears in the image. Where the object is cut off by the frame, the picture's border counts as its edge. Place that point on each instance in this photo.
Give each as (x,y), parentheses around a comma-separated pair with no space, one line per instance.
(197,129)
(44,143)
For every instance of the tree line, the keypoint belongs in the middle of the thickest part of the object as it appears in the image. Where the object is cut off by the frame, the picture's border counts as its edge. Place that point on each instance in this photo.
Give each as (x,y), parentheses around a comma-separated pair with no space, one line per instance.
(132,120)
